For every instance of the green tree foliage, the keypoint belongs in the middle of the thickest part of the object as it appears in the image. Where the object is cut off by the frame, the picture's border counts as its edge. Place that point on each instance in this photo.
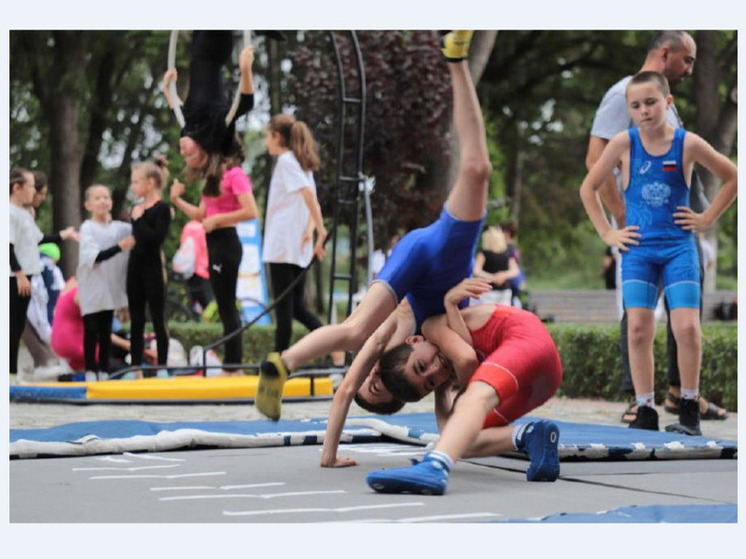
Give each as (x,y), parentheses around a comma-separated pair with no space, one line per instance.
(540,91)
(406,119)
(84,105)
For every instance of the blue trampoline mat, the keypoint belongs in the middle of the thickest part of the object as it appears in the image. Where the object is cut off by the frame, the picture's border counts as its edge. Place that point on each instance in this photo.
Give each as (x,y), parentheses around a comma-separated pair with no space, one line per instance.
(712,514)
(578,441)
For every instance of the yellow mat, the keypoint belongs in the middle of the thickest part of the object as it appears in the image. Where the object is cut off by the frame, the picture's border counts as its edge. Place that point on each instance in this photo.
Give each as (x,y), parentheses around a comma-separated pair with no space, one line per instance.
(192,388)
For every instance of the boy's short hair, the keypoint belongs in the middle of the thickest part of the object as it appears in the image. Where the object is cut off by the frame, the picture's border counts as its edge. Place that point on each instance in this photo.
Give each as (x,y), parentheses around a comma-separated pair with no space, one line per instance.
(87,193)
(391,368)
(654,77)
(381,408)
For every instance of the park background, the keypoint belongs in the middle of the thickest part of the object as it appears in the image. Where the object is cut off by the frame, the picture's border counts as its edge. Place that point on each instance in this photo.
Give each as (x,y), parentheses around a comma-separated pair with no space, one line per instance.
(86,105)
(322,15)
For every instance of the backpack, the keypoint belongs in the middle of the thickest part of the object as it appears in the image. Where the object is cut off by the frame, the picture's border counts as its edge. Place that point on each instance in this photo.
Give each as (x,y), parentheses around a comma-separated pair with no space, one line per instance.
(185,259)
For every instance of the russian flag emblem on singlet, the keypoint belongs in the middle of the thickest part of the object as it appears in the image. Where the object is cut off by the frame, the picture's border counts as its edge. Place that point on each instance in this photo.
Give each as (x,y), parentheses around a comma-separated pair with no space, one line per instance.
(669,165)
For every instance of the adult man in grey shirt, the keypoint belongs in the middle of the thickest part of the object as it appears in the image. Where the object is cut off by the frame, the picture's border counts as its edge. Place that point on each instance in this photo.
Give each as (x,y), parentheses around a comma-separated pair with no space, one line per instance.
(672,53)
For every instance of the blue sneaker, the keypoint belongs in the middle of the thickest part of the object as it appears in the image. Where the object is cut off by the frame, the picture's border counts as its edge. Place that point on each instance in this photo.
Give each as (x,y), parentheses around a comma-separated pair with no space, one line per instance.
(429,477)
(540,440)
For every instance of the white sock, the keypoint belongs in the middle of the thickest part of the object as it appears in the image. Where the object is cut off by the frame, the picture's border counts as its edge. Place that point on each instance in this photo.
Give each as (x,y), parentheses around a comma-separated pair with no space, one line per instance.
(690,394)
(441,457)
(647,399)
(518,433)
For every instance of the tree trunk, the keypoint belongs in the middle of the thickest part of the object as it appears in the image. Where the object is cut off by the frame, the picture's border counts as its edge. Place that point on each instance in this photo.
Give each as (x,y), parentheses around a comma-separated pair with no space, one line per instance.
(65,159)
(60,96)
(717,126)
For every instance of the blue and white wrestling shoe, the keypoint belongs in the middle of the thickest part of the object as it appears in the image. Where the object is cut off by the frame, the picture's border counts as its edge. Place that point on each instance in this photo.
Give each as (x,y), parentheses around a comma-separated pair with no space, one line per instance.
(540,440)
(428,477)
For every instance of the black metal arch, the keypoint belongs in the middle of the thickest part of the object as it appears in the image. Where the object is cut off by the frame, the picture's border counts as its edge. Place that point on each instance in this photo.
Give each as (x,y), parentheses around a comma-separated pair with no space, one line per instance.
(350,178)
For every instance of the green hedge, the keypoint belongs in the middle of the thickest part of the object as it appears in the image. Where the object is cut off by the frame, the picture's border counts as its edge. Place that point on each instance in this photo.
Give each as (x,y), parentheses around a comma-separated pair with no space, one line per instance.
(590,357)
(257,340)
(592,363)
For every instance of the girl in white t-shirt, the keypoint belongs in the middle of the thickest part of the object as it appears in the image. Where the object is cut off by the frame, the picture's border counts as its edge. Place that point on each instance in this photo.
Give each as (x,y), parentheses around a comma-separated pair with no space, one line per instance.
(25,262)
(293,213)
(101,274)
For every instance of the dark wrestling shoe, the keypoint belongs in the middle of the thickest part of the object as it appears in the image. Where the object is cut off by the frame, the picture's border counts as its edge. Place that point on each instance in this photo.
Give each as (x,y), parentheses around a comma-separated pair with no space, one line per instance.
(688,418)
(540,440)
(647,418)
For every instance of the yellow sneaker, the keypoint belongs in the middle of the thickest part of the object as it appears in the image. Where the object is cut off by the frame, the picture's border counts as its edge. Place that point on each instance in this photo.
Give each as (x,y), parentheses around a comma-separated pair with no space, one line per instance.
(272,377)
(455,45)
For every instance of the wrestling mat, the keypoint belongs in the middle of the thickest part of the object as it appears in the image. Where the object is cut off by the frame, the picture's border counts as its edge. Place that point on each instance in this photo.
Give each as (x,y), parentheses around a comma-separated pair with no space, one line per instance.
(578,441)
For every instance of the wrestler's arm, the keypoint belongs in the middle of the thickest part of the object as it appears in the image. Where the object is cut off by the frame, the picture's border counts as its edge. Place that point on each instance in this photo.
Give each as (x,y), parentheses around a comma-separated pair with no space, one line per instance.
(453,346)
(393,328)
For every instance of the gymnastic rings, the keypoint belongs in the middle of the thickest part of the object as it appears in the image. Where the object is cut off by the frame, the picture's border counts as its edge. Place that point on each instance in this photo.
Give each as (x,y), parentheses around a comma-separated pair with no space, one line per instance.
(172,43)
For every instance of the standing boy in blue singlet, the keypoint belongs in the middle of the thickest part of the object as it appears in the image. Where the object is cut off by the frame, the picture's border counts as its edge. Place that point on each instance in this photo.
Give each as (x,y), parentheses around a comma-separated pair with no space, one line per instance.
(424,265)
(658,242)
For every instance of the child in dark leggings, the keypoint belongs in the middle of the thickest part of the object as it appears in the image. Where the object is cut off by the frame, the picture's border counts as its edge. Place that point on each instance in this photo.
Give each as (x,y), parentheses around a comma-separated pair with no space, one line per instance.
(206,138)
(101,273)
(146,272)
(293,213)
(211,150)
(25,238)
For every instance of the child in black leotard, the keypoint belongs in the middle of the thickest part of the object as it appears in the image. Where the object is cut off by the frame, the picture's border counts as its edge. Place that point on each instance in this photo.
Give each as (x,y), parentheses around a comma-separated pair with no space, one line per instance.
(206,138)
(146,272)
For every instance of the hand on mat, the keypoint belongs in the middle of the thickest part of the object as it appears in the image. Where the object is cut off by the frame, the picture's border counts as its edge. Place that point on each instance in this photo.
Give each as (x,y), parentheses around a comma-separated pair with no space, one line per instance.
(340,462)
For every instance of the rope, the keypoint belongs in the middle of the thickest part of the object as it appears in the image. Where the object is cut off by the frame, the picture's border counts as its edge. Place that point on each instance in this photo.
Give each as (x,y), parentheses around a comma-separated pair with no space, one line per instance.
(237,98)
(171,66)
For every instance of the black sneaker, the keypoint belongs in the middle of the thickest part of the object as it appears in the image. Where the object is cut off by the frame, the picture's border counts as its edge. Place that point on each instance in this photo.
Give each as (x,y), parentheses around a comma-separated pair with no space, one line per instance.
(647,418)
(688,418)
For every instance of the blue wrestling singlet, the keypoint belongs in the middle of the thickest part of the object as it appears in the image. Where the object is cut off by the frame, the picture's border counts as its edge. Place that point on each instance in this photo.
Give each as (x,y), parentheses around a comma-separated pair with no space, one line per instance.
(429,261)
(666,251)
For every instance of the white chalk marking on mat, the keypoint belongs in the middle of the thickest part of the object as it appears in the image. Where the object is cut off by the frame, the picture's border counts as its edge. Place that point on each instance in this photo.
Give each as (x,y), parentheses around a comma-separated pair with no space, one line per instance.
(153,476)
(221,487)
(153,457)
(341,509)
(124,469)
(250,495)
(383,449)
(116,459)
(448,517)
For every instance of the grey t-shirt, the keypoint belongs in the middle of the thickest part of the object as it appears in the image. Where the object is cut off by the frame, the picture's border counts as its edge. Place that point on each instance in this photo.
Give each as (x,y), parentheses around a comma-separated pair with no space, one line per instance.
(612,117)
(102,285)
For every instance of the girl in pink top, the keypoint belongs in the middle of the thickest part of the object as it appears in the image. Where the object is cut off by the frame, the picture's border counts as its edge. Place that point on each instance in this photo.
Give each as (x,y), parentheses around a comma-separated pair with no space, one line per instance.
(219,211)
